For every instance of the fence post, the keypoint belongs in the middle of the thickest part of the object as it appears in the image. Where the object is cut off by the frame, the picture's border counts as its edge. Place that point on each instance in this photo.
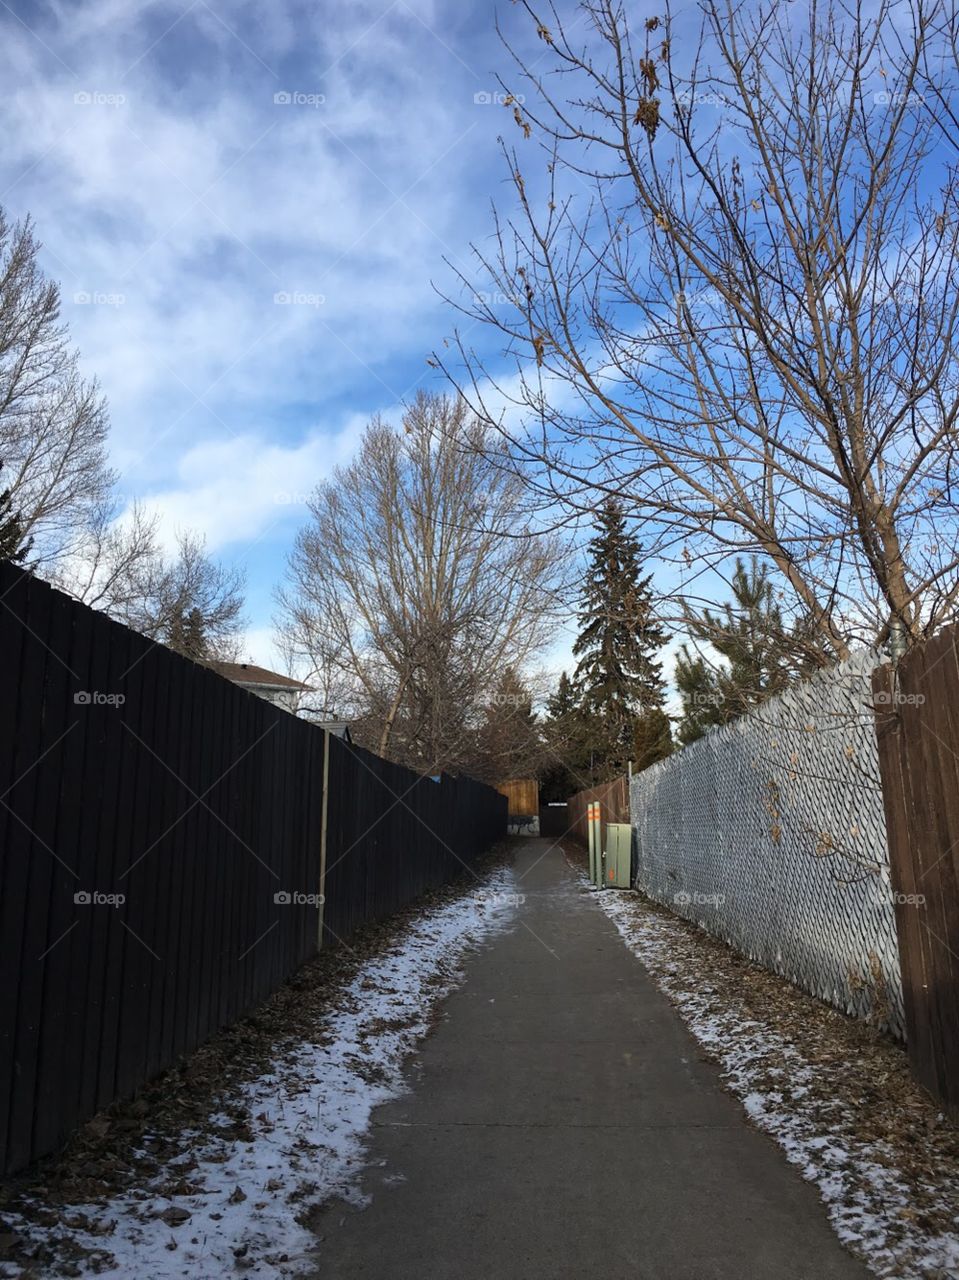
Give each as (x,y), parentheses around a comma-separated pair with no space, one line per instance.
(323,815)
(918,738)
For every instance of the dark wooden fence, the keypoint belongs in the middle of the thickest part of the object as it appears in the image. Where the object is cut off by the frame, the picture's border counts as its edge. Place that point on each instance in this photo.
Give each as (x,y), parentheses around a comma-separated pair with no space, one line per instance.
(917,720)
(392,834)
(613,798)
(160,856)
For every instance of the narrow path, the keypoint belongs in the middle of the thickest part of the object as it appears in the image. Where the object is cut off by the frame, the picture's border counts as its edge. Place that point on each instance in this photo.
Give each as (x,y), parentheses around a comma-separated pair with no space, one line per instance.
(561,1124)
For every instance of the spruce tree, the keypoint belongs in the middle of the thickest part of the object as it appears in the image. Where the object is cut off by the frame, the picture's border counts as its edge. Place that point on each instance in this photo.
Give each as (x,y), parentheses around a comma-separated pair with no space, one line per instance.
(617,678)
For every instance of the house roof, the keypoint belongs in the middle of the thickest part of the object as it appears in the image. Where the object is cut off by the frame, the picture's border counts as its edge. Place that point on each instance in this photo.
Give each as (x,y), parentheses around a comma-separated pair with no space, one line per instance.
(249,673)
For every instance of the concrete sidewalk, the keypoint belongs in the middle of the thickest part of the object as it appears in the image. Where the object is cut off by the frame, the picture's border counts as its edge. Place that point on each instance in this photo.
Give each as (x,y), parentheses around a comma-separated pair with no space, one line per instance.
(561,1124)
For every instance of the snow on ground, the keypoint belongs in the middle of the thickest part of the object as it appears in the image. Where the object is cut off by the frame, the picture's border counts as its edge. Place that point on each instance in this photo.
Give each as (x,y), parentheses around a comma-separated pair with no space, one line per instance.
(875,1209)
(301,1139)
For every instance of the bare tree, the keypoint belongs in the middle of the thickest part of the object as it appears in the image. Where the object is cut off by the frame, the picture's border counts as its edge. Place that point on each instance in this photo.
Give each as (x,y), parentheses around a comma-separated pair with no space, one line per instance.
(727,293)
(53,424)
(112,557)
(190,602)
(417,583)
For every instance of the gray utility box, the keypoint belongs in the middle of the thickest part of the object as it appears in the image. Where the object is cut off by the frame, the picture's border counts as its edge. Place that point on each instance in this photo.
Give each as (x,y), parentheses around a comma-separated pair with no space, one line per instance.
(619,850)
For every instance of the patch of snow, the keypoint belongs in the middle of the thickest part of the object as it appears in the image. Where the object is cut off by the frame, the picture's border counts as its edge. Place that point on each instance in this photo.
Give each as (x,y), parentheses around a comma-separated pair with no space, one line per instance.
(308,1116)
(865,1194)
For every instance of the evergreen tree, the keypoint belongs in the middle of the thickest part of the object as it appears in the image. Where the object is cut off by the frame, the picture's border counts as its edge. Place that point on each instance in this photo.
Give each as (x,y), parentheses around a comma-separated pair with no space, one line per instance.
(563,703)
(763,654)
(565,731)
(508,741)
(187,635)
(652,739)
(13,545)
(617,677)
(698,686)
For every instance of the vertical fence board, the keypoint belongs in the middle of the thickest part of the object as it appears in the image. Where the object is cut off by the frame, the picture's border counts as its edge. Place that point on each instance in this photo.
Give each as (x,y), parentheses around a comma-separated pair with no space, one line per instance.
(197,801)
(613,799)
(917,721)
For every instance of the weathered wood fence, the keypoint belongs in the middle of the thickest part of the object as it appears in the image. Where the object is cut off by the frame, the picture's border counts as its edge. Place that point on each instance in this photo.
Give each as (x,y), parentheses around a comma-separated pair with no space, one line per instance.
(917,715)
(161,839)
(613,799)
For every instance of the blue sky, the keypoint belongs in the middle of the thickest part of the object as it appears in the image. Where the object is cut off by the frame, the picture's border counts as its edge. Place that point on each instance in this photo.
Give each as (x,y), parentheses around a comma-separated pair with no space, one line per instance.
(189,166)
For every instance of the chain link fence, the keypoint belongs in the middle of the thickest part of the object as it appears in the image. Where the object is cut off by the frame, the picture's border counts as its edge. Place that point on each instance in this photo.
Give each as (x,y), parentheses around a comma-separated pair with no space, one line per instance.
(770,834)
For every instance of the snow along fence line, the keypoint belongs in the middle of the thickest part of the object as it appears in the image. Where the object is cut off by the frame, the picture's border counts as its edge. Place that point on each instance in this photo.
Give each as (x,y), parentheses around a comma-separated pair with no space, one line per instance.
(171,847)
(770,833)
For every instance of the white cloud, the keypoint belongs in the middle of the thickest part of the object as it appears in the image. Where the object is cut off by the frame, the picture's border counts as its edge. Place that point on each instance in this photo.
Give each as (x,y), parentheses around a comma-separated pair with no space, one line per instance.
(237,491)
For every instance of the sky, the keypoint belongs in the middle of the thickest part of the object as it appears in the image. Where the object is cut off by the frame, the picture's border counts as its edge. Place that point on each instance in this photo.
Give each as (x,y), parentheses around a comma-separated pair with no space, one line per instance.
(248,208)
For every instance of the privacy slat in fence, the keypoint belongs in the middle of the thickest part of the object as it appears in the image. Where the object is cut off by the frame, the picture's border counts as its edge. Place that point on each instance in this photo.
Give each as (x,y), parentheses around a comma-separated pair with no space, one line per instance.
(187,804)
(378,812)
(917,721)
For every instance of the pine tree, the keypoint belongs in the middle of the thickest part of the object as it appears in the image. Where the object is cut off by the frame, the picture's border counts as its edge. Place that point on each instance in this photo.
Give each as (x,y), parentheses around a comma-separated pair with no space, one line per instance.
(13,545)
(763,654)
(698,686)
(617,678)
